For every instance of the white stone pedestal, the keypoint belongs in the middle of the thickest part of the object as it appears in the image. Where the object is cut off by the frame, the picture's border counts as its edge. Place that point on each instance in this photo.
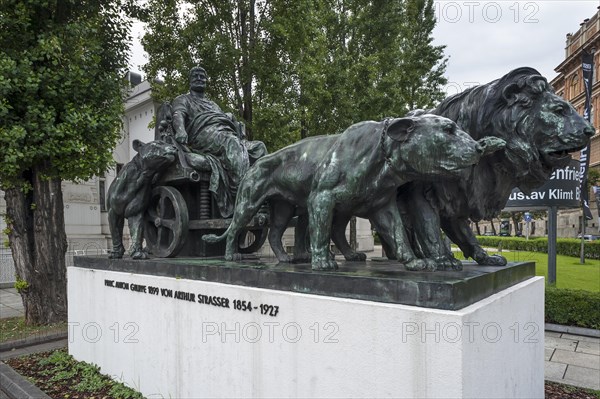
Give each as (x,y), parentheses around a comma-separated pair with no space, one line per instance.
(310,346)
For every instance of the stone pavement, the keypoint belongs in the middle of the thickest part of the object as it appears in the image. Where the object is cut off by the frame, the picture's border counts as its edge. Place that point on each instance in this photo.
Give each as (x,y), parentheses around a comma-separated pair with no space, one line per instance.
(11,304)
(572,359)
(569,359)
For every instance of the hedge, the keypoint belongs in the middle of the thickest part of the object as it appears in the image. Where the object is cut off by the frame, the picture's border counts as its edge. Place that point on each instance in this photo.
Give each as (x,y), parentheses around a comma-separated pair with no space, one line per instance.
(564,246)
(573,307)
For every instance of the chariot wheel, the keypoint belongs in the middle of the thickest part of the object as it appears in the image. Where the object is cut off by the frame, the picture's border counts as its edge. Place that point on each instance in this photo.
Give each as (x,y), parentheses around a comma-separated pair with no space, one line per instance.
(166,222)
(250,240)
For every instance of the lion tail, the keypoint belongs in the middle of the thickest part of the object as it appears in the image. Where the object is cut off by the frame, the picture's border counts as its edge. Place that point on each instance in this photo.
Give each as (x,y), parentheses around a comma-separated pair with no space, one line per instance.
(212,238)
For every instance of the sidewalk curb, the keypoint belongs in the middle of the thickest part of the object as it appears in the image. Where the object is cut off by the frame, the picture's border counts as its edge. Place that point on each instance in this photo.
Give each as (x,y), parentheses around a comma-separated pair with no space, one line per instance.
(35,340)
(586,332)
(15,386)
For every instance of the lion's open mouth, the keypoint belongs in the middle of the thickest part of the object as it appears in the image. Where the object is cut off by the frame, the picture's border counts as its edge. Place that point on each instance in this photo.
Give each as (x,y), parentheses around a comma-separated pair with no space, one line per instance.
(558,155)
(561,157)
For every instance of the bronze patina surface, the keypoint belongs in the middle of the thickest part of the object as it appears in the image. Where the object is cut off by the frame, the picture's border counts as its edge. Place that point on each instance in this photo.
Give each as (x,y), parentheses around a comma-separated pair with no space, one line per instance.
(379,281)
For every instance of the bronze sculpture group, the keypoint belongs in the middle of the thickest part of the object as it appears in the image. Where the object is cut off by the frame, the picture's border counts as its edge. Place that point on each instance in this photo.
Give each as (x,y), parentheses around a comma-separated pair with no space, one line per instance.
(206,129)
(412,177)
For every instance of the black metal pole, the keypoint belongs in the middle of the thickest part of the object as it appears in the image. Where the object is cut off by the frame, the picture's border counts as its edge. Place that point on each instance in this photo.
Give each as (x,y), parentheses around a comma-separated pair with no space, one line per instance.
(552,215)
(582,248)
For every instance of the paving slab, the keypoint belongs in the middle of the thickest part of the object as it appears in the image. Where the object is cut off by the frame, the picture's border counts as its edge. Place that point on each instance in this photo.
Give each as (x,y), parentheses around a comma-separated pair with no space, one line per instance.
(560,343)
(553,334)
(554,371)
(580,338)
(548,352)
(576,359)
(12,302)
(588,347)
(7,312)
(583,376)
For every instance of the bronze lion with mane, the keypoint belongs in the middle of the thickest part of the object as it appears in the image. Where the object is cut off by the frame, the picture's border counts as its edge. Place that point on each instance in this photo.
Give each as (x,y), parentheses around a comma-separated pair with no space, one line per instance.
(540,130)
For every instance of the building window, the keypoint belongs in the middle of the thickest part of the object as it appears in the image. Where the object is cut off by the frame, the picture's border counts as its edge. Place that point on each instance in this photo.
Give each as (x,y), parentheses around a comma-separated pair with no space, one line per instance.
(574,86)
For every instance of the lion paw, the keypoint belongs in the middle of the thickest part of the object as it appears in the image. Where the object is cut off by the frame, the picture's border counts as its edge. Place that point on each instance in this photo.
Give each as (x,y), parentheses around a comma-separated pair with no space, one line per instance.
(303,257)
(356,257)
(284,258)
(236,257)
(116,254)
(455,263)
(324,264)
(139,255)
(448,262)
(493,260)
(421,264)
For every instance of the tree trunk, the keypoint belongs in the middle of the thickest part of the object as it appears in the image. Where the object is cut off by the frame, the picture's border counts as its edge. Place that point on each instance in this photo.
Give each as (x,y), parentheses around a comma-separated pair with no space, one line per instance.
(515,219)
(478,228)
(247,41)
(38,243)
(303,129)
(493,227)
(353,240)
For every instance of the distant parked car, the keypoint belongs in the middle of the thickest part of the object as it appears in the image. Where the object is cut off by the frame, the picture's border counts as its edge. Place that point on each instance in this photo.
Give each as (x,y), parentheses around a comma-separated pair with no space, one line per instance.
(504,234)
(589,237)
(489,234)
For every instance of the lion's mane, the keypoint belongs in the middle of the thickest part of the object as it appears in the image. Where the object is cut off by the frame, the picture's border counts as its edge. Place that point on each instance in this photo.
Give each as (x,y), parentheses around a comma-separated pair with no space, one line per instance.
(499,108)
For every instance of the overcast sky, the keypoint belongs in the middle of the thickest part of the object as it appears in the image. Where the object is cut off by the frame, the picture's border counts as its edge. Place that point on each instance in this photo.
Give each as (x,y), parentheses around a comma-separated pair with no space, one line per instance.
(486,39)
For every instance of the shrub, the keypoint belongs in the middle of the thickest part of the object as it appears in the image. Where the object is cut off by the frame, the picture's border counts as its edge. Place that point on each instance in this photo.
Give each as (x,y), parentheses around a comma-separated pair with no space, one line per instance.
(573,307)
(564,246)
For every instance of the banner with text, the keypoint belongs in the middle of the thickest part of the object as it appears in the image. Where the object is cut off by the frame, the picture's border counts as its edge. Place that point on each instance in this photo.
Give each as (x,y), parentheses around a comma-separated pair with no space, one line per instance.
(587,62)
(562,191)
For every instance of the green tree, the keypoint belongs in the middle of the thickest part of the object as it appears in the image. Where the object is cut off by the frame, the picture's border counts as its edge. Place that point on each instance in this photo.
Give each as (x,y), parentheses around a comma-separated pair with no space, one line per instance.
(593,178)
(293,69)
(61,93)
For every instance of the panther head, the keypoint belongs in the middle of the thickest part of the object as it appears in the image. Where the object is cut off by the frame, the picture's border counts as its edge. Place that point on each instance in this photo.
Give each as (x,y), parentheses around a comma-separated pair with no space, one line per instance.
(155,155)
(434,146)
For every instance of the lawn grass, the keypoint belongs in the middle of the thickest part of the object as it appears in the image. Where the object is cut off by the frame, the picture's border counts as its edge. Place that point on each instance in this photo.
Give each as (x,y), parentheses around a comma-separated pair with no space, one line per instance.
(569,272)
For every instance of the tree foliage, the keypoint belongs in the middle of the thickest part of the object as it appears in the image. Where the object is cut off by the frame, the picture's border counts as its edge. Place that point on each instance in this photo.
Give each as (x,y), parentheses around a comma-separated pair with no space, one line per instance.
(61,69)
(62,65)
(291,69)
(593,178)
